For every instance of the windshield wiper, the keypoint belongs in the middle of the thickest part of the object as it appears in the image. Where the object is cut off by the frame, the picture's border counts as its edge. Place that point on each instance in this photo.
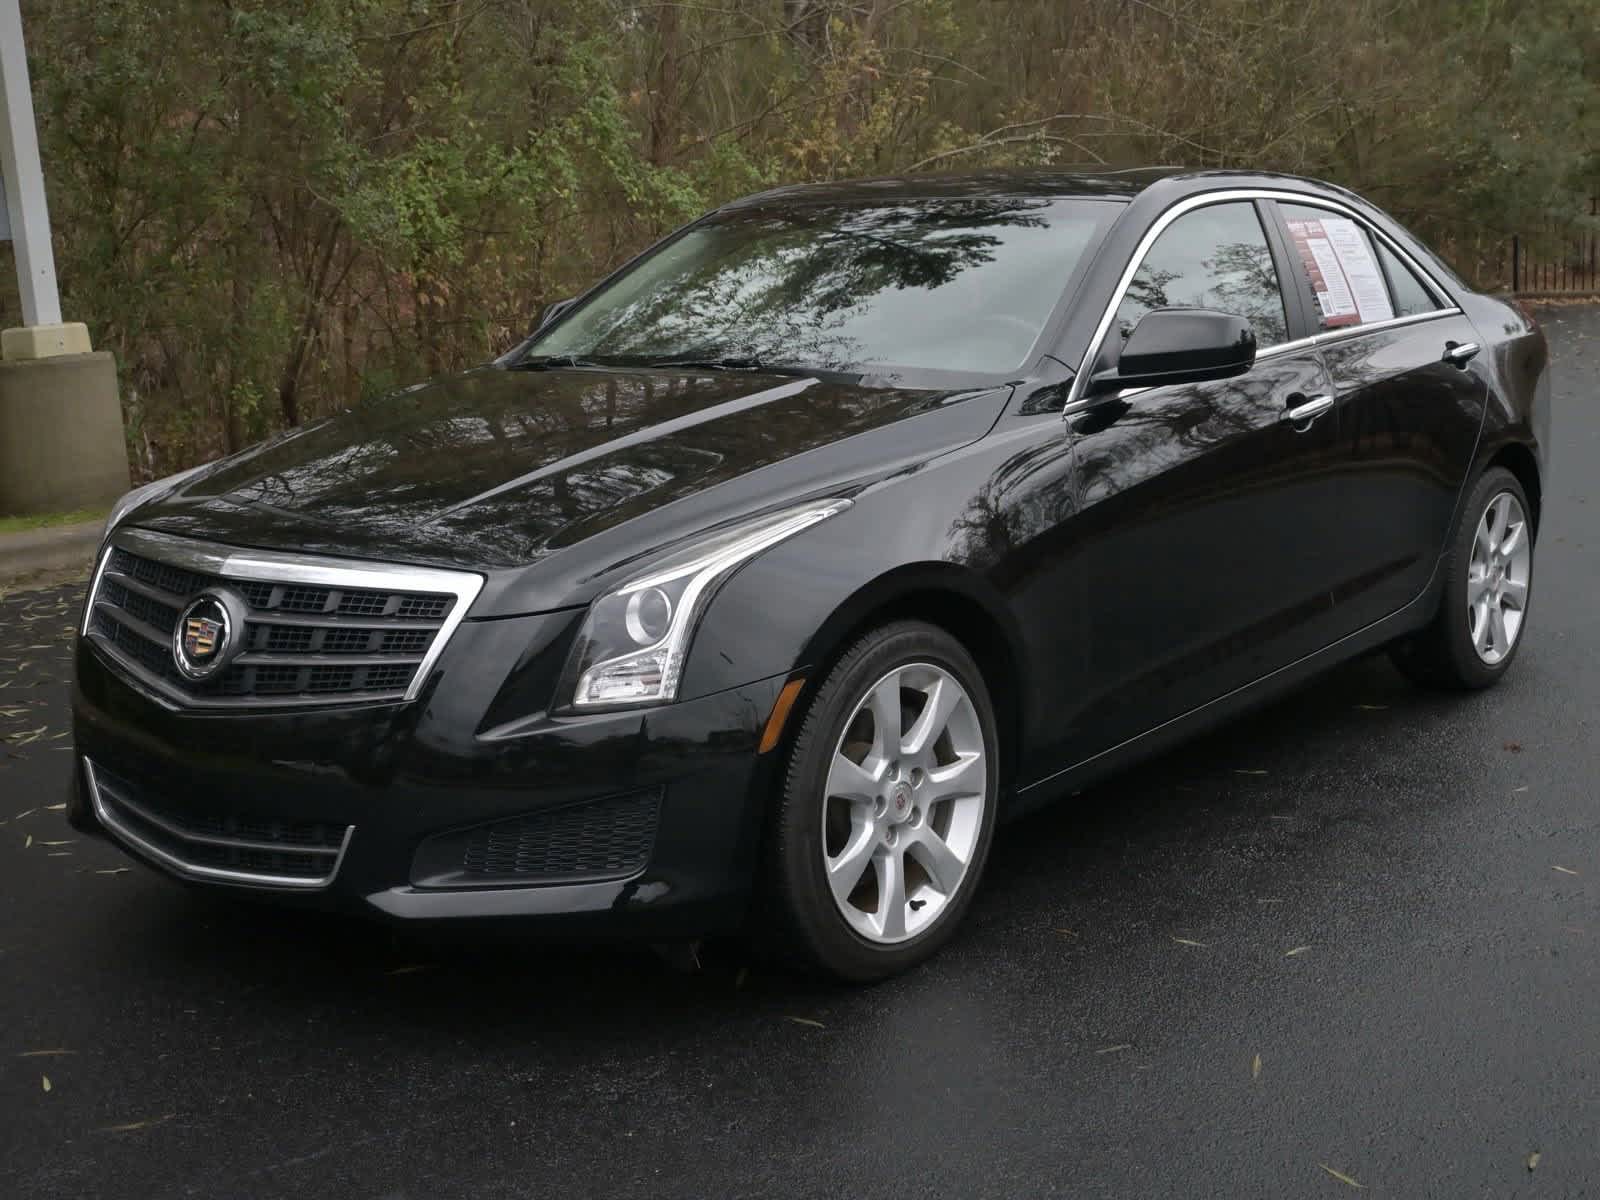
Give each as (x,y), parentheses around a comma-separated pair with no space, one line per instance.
(730,362)
(548,362)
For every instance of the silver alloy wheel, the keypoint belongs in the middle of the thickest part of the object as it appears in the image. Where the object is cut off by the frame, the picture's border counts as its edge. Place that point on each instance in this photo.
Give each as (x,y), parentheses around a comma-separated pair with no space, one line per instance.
(1497,578)
(904,804)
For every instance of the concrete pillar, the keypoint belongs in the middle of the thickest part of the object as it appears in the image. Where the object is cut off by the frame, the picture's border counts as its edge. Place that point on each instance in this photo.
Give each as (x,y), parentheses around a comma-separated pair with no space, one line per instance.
(61,445)
(61,440)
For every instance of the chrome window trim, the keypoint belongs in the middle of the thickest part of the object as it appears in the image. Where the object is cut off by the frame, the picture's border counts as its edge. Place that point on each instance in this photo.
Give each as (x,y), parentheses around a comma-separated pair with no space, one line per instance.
(272,566)
(1075,400)
(166,858)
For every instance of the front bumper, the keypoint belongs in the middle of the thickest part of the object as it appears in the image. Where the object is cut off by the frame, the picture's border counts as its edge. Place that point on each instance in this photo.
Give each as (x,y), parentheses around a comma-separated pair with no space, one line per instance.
(409,784)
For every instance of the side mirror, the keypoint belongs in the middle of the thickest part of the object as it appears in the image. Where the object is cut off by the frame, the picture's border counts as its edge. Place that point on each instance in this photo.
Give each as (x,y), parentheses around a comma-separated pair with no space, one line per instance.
(554,311)
(1180,345)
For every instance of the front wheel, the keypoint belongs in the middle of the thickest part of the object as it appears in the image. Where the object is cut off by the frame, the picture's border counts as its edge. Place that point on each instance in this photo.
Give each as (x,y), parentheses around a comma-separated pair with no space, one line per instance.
(1488,569)
(887,810)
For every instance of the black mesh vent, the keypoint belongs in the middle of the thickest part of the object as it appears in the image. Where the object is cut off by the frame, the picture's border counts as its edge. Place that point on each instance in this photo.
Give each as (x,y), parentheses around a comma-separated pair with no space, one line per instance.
(604,838)
(303,599)
(406,641)
(423,608)
(175,580)
(285,639)
(326,622)
(364,604)
(346,641)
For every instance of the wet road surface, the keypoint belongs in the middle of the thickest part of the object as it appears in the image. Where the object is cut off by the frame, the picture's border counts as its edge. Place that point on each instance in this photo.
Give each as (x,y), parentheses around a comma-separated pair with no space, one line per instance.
(1352,940)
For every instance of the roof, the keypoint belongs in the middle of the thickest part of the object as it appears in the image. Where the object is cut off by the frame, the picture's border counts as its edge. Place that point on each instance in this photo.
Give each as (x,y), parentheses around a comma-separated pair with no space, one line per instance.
(1122,184)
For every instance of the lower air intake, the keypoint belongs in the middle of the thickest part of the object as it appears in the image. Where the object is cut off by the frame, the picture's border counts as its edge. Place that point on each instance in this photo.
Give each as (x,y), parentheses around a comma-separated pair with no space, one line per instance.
(597,840)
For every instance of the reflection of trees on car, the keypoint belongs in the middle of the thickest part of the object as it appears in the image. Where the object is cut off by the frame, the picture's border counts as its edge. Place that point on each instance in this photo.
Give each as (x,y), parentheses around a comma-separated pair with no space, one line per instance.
(785,289)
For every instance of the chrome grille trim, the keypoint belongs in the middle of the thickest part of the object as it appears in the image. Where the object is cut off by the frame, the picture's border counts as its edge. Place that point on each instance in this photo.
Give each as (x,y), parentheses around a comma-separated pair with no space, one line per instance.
(269,575)
(106,812)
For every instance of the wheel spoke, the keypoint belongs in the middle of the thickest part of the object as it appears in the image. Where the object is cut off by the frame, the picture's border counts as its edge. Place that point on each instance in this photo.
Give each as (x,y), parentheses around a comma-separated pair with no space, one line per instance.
(845,871)
(964,777)
(1483,544)
(1499,515)
(1516,594)
(943,697)
(943,865)
(891,915)
(885,705)
(1497,622)
(855,781)
(1477,589)
(1480,627)
(1513,539)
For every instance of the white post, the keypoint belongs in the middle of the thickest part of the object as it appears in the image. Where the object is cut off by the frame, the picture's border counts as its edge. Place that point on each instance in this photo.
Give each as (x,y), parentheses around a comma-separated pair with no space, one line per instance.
(45,334)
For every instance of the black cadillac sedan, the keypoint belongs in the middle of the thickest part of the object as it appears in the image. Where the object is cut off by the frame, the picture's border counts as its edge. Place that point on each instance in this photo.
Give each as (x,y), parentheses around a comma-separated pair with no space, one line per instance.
(753,589)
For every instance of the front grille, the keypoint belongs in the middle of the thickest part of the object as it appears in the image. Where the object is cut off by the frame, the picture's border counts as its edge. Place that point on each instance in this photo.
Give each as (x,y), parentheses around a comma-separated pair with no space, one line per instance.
(301,642)
(201,841)
(600,839)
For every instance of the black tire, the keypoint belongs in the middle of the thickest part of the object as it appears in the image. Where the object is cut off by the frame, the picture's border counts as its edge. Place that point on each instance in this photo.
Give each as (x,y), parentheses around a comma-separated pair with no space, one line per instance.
(803,925)
(1442,655)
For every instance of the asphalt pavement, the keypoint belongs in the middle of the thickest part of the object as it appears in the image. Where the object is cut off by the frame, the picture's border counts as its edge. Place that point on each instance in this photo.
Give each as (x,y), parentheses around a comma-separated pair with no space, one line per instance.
(1350,941)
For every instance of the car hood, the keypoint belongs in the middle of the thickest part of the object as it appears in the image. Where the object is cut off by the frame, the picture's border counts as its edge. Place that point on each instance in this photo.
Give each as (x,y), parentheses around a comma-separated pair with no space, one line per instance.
(497,468)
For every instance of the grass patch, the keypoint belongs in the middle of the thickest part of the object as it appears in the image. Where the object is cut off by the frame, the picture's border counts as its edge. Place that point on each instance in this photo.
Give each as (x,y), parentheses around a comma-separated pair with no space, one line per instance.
(50,520)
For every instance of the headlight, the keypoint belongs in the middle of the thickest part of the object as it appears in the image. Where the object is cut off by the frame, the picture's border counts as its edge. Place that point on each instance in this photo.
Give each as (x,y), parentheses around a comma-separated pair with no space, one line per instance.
(633,643)
(139,495)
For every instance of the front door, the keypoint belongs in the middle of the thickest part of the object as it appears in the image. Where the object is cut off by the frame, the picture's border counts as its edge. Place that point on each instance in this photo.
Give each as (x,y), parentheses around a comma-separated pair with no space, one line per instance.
(1206,560)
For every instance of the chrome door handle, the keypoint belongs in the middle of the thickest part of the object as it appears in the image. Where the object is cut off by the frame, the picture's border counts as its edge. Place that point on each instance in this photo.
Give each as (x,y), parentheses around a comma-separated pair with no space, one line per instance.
(1308,410)
(1458,354)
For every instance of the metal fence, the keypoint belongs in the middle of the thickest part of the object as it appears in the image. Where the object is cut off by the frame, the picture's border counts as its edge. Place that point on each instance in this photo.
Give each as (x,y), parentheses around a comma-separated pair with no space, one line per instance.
(1559,260)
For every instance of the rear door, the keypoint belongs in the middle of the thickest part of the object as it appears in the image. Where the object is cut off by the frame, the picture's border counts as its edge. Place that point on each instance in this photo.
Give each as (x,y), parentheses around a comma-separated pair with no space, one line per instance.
(1410,400)
(1204,562)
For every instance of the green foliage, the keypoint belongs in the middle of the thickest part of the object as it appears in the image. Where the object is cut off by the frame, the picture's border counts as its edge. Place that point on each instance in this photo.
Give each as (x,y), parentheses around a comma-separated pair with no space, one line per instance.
(270,209)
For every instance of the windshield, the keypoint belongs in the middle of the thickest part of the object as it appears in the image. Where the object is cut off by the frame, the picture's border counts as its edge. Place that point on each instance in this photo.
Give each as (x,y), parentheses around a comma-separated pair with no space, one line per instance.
(948,284)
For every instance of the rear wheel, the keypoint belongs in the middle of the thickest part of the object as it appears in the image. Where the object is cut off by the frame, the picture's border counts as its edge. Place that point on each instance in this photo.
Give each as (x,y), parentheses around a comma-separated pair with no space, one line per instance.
(1488,580)
(888,806)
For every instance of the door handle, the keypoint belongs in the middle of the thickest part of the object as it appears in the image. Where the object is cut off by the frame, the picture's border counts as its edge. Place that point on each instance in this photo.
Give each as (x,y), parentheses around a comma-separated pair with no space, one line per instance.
(1307,410)
(1458,354)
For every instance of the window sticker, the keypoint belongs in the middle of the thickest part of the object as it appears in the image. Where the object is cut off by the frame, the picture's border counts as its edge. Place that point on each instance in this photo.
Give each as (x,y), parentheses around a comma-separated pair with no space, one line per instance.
(1344,275)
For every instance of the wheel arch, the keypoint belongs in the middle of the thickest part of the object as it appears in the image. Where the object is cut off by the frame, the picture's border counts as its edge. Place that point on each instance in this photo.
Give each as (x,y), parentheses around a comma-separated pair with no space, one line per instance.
(1520,461)
(960,602)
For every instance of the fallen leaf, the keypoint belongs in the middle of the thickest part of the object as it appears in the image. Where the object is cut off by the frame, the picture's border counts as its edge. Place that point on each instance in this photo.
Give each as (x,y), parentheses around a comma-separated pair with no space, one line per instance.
(1296,951)
(1191,942)
(1255,1067)
(1341,1176)
(1564,870)
(1533,1160)
(806,1021)
(45,1080)
(134,1126)
(44,1053)
(1117,1049)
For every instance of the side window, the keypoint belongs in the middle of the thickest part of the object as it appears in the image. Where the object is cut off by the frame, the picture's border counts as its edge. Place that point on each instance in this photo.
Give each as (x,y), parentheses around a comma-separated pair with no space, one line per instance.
(1412,297)
(1214,257)
(1336,254)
